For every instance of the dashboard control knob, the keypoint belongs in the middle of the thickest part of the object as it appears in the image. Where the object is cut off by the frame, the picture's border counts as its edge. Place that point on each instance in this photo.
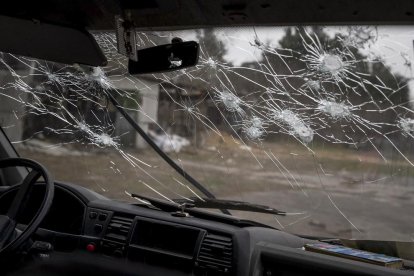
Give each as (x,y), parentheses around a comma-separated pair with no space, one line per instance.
(91,247)
(93,215)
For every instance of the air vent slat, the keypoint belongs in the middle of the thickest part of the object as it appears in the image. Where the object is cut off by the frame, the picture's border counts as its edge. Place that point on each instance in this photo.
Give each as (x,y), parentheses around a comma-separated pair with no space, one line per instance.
(218,238)
(119,227)
(212,256)
(215,261)
(212,253)
(216,253)
(216,244)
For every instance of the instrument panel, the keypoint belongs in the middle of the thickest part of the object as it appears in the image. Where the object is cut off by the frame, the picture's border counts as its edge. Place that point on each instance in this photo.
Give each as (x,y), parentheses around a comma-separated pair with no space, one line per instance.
(148,241)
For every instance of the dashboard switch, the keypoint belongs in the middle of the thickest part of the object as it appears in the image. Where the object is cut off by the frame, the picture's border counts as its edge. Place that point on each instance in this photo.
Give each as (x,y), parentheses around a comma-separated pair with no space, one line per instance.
(98,228)
(93,215)
(102,216)
(41,247)
(118,253)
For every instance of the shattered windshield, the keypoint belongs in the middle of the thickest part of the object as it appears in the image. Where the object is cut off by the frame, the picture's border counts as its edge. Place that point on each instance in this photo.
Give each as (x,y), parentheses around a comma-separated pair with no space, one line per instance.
(314,121)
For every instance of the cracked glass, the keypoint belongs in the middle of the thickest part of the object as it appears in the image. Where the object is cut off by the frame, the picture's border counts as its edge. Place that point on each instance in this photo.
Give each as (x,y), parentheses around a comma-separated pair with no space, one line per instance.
(314,121)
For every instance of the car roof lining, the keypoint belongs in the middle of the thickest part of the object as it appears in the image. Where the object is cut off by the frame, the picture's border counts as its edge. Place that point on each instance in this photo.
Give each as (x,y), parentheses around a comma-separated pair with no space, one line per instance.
(184,14)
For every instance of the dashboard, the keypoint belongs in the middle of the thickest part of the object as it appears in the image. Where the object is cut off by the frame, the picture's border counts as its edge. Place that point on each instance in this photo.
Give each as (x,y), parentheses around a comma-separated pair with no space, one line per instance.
(156,242)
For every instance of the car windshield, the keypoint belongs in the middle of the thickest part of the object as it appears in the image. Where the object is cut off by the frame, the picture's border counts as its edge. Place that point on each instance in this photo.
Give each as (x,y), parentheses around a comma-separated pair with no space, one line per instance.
(314,121)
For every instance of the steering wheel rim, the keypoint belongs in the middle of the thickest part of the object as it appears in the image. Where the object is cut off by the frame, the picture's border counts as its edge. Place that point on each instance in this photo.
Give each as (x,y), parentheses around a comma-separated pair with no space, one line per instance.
(8,222)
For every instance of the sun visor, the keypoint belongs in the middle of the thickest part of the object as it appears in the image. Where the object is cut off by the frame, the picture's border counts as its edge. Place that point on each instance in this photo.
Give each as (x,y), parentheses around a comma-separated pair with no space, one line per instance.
(50,42)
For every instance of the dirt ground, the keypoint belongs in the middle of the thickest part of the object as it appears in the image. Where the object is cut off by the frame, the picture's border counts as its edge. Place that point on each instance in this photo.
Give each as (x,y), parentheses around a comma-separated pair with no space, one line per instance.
(337,194)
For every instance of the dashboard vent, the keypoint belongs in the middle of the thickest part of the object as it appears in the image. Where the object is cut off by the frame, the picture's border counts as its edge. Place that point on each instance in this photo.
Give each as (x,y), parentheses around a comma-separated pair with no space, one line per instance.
(216,253)
(119,227)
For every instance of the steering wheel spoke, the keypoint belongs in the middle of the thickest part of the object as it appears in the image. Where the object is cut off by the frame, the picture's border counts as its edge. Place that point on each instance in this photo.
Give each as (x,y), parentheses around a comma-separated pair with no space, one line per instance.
(20,199)
(8,241)
(7,226)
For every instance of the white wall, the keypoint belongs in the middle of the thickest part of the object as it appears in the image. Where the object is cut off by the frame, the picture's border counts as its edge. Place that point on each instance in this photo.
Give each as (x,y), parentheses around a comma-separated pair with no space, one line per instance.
(148,91)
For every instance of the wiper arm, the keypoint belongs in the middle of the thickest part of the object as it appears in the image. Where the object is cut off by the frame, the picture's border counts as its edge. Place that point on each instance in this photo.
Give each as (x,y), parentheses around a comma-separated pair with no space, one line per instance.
(213,203)
(161,153)
(179,209)
(209,203)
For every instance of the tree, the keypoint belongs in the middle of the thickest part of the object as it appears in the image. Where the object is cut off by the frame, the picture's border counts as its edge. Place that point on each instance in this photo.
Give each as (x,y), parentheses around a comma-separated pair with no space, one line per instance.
(287,70)
(211,46)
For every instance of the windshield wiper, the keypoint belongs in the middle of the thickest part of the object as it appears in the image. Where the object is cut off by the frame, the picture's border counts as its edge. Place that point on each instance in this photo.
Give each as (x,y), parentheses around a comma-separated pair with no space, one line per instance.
(214,203)
(209,203)
(180,210)
(161,153)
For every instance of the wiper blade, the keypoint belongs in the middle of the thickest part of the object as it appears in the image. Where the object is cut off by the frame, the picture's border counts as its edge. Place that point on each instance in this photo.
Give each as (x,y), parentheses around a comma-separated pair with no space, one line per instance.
(177,208)
(167,206)
(213,203)
(163,155)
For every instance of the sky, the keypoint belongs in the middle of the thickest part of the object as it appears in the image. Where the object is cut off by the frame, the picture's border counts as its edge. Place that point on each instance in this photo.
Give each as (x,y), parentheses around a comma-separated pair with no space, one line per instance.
(394,44)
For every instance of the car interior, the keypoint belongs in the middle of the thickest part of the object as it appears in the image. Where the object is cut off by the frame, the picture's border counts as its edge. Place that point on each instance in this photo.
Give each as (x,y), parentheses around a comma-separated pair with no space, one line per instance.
(53,227)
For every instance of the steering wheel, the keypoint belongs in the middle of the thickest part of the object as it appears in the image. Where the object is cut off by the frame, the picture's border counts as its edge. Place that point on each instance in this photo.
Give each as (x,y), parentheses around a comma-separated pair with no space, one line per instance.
(8,243)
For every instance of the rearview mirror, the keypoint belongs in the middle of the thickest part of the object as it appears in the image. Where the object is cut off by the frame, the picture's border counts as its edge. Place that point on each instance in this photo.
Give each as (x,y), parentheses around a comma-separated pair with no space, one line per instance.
(164,58)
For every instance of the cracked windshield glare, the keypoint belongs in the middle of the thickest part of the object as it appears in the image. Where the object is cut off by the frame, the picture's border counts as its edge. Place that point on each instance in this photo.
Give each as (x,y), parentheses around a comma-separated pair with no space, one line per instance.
(315,121)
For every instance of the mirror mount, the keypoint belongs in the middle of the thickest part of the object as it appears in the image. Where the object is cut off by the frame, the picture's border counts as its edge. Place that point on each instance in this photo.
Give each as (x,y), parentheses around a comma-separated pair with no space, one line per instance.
(126,38)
